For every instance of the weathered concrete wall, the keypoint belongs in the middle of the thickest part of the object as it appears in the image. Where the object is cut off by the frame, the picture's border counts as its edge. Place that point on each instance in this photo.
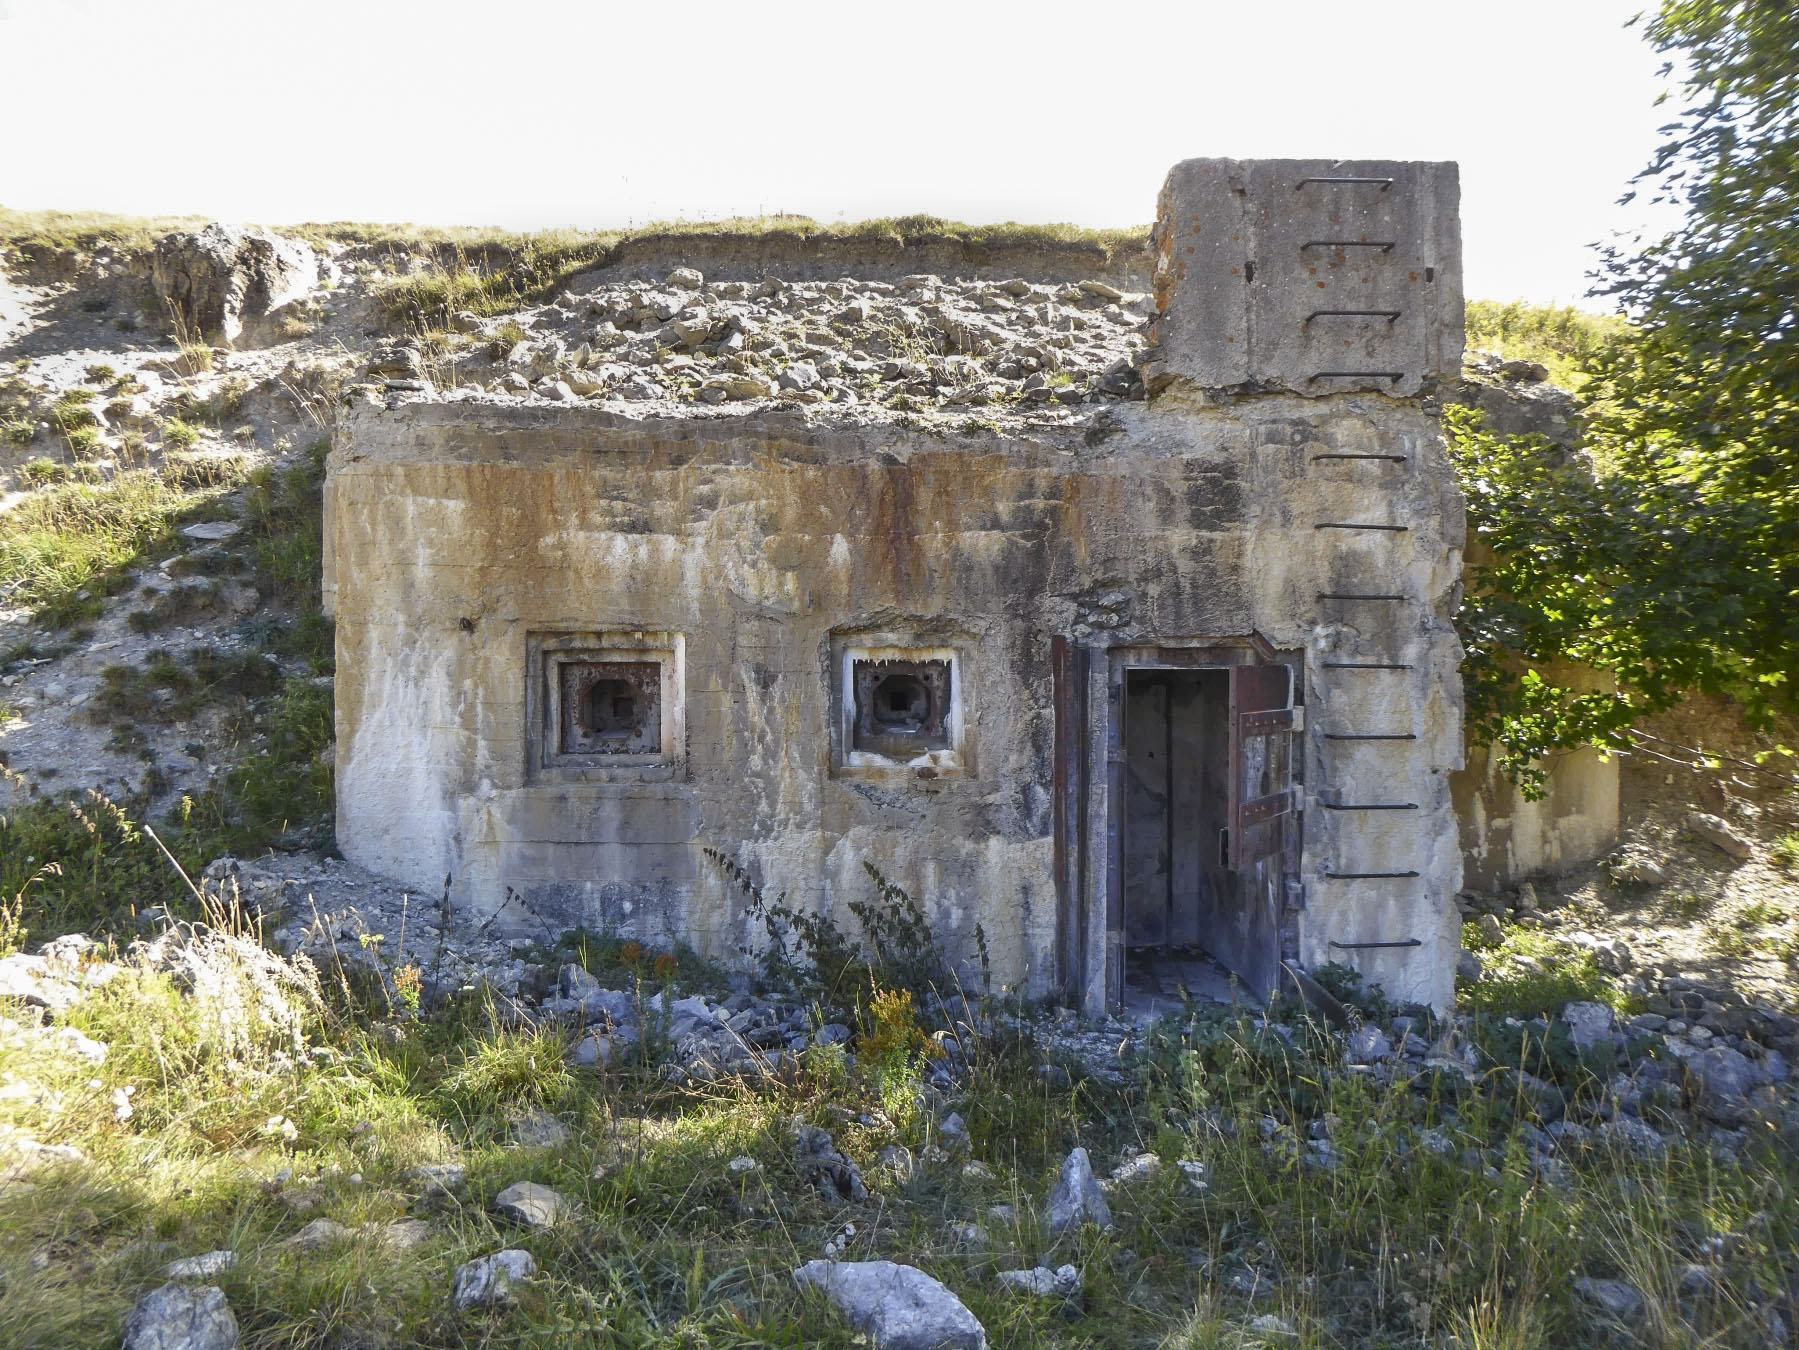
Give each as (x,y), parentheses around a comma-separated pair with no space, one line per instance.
(458,528)
(1506,839)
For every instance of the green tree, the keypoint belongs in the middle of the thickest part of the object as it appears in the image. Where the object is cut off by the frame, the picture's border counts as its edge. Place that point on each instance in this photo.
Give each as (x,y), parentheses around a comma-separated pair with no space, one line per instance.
(1676,565)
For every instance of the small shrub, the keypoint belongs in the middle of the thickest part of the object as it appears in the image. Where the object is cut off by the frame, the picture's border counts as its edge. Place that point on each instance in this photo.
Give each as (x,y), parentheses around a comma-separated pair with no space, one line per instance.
(101,373)
(70,412)
(19,431)
(179,435)
(119,409)
(41,472)
(85,443)
(1783,853)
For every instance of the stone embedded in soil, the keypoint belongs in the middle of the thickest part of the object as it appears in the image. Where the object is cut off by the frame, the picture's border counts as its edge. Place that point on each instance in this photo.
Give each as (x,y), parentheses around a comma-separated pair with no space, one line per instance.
(318,1235)
(1589,1024)
(182,1317)
(1613,1297)
(206,1266)
(1043,1282)
(1720,834)
(534,1206)
(897,1307)
(1077,1198)
(489,1281)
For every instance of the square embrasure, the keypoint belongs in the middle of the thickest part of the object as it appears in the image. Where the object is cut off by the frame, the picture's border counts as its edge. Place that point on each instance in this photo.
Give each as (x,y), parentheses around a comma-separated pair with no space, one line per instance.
(604,707)
(609,707)
(902,707)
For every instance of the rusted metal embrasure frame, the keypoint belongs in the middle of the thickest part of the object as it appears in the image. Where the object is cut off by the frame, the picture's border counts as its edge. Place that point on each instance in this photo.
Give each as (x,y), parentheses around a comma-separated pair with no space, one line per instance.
(644,734)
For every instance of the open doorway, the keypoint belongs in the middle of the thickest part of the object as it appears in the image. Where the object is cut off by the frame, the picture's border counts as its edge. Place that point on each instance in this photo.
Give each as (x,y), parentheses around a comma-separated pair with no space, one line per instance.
(1206,831)
(1176,842)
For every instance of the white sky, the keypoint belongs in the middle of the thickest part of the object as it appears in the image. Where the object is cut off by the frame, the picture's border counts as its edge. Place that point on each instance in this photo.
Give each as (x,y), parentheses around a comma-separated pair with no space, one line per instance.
(534,113)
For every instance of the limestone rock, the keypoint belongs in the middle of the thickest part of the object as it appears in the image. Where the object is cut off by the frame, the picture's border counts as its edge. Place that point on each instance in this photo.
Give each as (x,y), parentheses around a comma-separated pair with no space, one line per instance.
(836,1177)
(439,1179)
(534,1206)
(1719,833)
(206,1266)
(685,279)
(1077,1198)
(1614,1297)
(488,1281)
(538,1129)
(740,385)
(181,1317)
(897,1307)
(1468,966)
(222,279)
(1368,1045)
(1589,1024)
(1490,930)
(1042,1281)
(402,1236)
(1721,1073)
(318,1235)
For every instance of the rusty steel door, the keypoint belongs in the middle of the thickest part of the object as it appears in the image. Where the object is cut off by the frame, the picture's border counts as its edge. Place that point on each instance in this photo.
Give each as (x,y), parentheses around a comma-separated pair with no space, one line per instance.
(1262,843)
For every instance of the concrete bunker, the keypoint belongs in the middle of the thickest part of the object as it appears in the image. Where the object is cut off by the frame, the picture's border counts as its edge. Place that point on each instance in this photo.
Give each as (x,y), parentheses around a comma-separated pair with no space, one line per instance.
(1124,684)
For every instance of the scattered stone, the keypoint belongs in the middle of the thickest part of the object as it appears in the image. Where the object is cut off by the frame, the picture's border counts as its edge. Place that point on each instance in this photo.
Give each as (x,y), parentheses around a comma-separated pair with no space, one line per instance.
(534,1206)
(318,1235)
(78,1044)
(685,279)
(181,1317)
(976,1171)
(965,1234)
(1720,834)
(1368,1045)
(465,321)
(539,1129)
(1043,1282)
(1589,1024)
(952,1133)
(1612,1297)
(594,1051)
(1639,871)
(211,531)
(1101,290)
(488,1281)
(837,1178)
(1468,967)
(1142,1167)
(740,385)
(206,1266)
(898,1307)
(1720,1072)
(833,1033)
(1077,1198)
(401,1236)
(1491,932)
(1272,1324)
(439,1179)
(898,1159)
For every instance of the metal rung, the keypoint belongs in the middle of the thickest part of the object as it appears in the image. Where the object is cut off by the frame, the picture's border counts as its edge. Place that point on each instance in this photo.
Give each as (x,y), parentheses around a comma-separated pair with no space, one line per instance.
(1369,876)
(1384,245)
(1384,183)
(1394,375)
(1370,736)
(1368,946)
(1363,665)
(1353,525)
(1392,459)
(1340,595)
(1370,806)
(1390,315)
